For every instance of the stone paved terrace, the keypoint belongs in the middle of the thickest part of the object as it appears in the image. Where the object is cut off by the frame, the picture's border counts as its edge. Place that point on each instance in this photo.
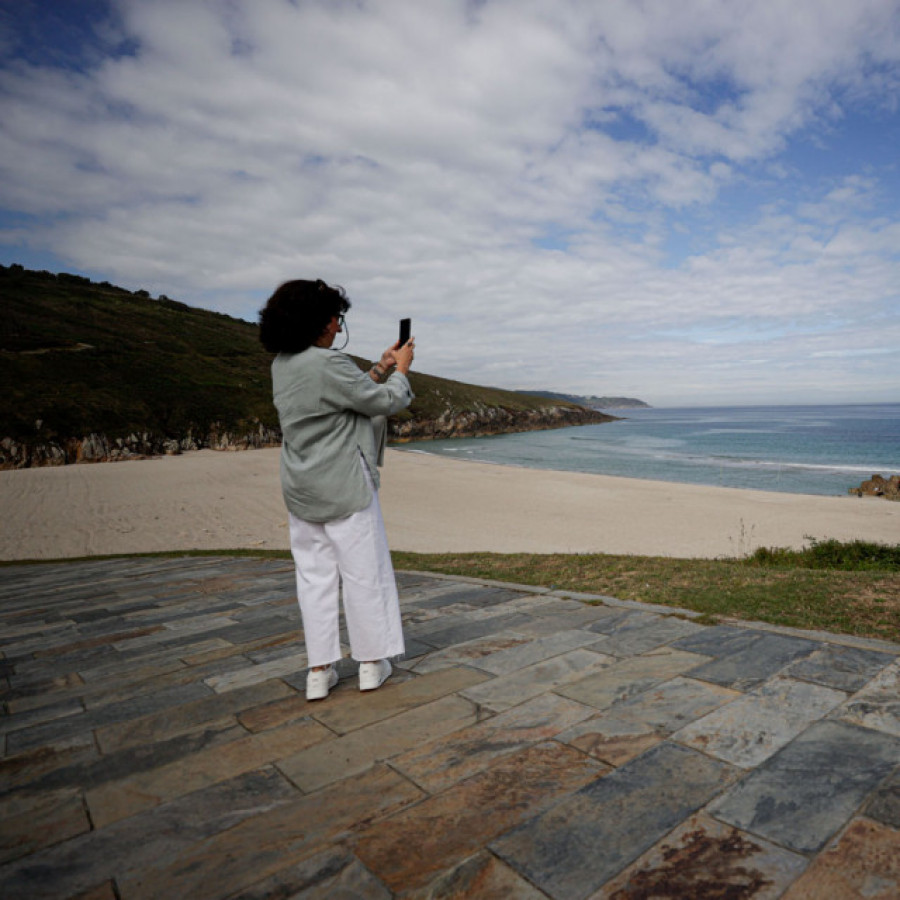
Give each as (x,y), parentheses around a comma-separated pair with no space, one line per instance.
(157,743)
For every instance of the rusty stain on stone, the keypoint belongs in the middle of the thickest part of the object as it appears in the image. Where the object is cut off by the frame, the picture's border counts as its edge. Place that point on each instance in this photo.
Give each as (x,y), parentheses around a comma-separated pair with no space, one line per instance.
(703,867)
(864,862)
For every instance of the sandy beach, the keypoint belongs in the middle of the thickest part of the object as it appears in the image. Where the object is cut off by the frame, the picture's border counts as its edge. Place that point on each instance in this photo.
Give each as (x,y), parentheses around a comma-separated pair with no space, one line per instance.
(219,500)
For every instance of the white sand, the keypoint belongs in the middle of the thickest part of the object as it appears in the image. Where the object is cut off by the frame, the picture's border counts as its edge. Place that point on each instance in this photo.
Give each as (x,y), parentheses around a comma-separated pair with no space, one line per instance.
(217,500)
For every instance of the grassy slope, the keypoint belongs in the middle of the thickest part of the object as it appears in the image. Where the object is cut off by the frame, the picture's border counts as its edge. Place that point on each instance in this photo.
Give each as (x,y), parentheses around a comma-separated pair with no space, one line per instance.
(84,357)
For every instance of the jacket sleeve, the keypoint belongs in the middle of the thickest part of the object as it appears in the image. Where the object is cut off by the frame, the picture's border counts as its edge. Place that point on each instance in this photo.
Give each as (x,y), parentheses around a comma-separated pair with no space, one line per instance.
(349,388)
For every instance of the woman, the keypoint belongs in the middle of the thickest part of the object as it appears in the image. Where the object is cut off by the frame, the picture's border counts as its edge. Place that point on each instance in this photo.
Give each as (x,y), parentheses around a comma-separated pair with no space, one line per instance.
(329,479)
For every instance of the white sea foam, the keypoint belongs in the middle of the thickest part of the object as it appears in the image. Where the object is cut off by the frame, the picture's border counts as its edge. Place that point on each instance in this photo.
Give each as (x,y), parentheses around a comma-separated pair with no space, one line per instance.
(808,450)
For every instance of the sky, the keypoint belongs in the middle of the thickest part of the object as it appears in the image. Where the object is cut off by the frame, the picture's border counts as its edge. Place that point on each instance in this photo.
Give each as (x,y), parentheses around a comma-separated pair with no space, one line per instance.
(693,203)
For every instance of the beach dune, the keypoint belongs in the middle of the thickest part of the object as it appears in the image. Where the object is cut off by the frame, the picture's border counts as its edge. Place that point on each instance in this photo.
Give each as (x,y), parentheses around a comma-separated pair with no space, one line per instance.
(228,500)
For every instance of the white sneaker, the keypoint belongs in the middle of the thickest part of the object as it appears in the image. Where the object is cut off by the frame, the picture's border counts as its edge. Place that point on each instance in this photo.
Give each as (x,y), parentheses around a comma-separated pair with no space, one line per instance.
(373,674)
(318,684)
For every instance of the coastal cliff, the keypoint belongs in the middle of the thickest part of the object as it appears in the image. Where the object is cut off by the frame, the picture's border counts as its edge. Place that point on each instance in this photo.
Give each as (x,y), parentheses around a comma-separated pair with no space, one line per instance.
(94,373)
(137,445)
(483,420)
(142,445)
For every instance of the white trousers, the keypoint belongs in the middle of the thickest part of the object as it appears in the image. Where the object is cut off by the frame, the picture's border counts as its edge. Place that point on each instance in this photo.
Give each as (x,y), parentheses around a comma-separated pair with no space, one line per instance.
(353,551)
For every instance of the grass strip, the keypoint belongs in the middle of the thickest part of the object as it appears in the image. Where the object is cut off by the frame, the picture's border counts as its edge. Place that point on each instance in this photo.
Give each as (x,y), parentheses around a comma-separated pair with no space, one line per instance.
(845,588)
(781,587)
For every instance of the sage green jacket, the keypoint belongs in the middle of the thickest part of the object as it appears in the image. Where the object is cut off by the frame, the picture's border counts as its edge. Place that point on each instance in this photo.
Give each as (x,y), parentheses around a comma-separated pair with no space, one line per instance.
(325,405)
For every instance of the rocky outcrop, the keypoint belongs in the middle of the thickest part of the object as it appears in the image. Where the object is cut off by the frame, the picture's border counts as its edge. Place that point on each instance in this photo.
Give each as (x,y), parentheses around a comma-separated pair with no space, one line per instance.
(476,422)
(879,486)
(138,445)
(483,420)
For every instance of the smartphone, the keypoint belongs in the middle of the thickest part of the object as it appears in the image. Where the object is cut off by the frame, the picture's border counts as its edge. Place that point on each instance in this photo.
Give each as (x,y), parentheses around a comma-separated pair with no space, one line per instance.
(404,330)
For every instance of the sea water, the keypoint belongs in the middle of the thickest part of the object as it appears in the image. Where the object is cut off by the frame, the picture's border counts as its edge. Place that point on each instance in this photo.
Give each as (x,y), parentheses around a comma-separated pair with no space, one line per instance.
(796,449)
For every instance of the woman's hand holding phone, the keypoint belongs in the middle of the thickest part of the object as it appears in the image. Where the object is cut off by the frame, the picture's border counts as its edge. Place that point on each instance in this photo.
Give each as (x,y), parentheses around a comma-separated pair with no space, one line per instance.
(400,354)
(403,355)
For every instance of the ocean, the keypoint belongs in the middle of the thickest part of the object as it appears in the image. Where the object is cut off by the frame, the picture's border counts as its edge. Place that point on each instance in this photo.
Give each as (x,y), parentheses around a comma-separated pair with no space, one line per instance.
(796,449)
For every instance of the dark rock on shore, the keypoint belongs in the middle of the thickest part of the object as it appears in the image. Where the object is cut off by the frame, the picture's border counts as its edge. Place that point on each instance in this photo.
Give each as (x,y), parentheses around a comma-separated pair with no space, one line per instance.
(879,486)
(484,420)
(100,448)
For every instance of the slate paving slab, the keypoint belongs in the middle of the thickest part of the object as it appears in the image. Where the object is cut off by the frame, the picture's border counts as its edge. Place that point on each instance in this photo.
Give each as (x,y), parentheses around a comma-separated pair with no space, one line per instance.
(638,635)
(628,678)
(750,729)
(612,738)
(57,817)
(149,839)
(171,722)
(803,794)
(510,690)
(702,859)
(842,668)
(259,846)
(467,652)
(38,715)
(482,876)
(470,627)
(37,771)
(439,763)
(719,641)
(621,621)
(334,874)
(411,847)
(884,804)
(584,840)
(759,659)
(675,703)
(120,799)
(633,726)
(333,761)
(40,735)
(509,659)
(864,862)
(877,705)
(20,771)
(255,673)
(155,741)
(360,708)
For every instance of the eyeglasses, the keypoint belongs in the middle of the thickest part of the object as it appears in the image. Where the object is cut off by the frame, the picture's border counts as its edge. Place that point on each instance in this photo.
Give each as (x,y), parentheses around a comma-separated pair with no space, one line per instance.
(346,329)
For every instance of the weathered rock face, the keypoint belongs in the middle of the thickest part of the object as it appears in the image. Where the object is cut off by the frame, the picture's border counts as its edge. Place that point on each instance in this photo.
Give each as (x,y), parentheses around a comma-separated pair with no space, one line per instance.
(879,486)
(99,448)
(482,420)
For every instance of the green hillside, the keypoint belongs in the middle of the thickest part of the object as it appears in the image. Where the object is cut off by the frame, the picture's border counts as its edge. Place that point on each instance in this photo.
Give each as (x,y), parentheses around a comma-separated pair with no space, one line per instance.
(78,357)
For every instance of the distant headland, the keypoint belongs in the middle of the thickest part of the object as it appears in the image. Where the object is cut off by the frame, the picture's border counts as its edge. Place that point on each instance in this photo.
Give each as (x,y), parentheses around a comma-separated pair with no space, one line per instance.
(592,402)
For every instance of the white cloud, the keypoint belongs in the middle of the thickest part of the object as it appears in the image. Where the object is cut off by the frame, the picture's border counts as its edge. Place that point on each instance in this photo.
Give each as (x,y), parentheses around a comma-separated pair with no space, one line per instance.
(511,174)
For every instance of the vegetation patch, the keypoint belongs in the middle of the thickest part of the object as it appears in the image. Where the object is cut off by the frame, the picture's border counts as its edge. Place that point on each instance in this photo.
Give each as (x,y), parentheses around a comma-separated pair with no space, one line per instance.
(80,358)
(844,598)
(831,586)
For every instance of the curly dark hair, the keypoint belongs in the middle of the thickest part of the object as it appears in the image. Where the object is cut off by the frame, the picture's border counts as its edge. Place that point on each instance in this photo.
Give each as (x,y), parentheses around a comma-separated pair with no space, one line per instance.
(298,313)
